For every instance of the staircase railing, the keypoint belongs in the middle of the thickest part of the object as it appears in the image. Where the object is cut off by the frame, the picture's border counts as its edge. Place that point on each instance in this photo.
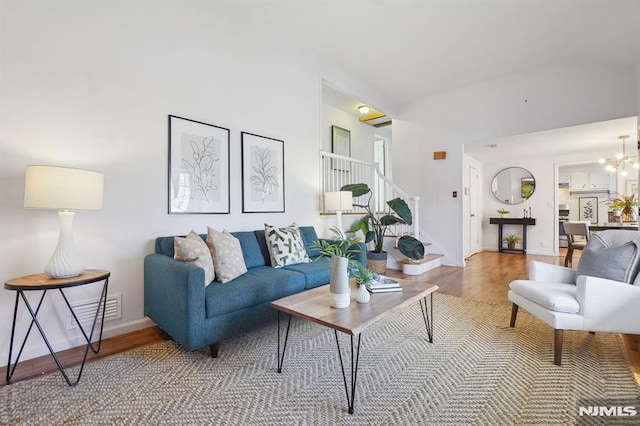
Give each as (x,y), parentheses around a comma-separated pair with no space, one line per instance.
(338,170)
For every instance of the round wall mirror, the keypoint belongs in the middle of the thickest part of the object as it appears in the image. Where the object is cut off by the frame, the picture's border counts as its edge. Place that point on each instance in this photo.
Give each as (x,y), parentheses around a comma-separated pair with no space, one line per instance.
(513,185)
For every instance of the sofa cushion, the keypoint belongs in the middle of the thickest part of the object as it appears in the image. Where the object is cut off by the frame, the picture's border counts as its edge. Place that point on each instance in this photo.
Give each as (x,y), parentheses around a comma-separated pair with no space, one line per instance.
(558,297)
(285,245)
(194,250)
(316,273)
(227,255)
(251,250)
(258,285)
(600,259)
(309,237)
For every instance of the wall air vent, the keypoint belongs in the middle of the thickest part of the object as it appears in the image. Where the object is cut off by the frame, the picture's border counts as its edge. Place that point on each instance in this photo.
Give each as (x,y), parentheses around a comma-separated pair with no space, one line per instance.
(86,310)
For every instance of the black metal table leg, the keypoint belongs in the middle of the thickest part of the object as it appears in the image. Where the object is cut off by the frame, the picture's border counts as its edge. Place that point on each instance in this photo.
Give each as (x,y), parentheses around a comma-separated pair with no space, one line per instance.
(34,320)
(284,348)
(427,315)
(354,371)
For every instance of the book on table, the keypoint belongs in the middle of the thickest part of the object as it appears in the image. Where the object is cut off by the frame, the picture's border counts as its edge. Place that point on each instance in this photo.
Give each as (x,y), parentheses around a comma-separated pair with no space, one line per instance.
(383,284)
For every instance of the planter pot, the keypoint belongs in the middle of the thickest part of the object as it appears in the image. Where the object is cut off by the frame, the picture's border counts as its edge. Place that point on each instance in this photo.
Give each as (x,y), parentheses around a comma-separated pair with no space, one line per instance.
(339,288)
(511,246)
(363,294)
(377,262)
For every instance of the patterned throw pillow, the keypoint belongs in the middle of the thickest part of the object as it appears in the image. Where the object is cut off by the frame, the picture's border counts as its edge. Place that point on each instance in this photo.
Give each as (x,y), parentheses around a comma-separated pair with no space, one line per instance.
(285,245)
(227,255)
(193,250)
(618,263)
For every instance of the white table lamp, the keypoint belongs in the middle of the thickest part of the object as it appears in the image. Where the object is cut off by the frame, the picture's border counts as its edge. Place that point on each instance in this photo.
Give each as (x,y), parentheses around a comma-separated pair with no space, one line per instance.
(63,189)
(338,201)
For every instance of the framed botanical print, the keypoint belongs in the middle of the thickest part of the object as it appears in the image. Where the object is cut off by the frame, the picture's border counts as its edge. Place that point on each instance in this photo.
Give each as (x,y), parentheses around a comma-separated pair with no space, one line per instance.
(262,174)
(198,167)
(588,209)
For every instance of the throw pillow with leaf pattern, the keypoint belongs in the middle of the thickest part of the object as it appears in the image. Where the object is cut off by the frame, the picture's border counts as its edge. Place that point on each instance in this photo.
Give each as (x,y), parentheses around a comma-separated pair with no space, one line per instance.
(285,245)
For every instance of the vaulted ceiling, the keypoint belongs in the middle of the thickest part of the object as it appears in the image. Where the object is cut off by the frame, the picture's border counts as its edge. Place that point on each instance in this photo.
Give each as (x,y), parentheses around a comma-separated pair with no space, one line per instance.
(411,49)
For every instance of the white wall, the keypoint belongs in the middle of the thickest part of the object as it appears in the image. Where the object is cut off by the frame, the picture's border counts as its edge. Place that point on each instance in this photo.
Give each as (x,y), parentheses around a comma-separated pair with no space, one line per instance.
(541,238)
(560,95)
(361,134)
(90,85)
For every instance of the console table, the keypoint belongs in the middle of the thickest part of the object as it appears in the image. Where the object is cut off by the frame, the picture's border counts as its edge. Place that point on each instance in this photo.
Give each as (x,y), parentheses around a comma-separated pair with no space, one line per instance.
(524,222)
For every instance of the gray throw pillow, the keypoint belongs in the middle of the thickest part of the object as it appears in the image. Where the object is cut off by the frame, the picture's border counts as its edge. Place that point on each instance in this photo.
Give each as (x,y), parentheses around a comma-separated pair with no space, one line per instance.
(618,263)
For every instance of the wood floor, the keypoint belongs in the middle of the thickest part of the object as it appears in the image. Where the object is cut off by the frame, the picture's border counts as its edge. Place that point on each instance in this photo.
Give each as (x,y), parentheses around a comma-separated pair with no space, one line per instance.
(486,278)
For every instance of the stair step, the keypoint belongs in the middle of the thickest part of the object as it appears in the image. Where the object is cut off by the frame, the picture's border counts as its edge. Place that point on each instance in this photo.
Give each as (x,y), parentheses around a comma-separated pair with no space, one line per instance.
(425,259)
(429,262)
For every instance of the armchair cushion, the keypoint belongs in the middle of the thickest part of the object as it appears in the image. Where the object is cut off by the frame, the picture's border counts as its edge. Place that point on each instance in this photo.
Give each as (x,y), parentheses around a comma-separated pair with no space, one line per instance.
(601,259)
(558,297)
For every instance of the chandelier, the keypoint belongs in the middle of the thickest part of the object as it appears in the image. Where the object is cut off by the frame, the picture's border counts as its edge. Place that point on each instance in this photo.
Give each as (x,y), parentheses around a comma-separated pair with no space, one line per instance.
(622,160)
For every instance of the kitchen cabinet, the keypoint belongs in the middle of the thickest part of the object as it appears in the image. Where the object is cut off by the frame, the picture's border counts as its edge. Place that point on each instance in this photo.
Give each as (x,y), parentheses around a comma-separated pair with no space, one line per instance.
(585,181)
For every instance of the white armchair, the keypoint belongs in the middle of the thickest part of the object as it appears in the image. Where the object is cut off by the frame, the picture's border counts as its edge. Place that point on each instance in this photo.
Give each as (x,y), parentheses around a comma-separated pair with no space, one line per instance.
(565,302)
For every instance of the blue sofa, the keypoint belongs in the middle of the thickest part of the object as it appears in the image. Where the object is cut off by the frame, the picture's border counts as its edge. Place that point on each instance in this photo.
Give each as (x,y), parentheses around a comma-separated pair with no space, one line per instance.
(195,316)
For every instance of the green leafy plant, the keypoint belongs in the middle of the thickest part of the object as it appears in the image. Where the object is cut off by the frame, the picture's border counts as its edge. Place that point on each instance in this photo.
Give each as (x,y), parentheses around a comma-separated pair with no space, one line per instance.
(375,225)
(363,274)
(511,239)
(627,204)
(340,245)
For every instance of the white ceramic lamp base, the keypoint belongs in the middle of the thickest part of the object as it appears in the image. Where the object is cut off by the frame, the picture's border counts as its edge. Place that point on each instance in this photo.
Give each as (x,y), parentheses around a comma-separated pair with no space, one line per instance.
(65,262)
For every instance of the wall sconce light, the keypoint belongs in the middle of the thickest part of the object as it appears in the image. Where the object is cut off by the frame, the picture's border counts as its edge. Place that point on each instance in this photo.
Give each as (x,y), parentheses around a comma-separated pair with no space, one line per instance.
(63,189)
(363,109)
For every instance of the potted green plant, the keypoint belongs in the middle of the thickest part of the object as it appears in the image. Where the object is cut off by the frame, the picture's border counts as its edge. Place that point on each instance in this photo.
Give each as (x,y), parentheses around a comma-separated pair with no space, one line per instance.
(511,240)
(338,249)
(502,211)
(374,225)
(626,204)
(363,276)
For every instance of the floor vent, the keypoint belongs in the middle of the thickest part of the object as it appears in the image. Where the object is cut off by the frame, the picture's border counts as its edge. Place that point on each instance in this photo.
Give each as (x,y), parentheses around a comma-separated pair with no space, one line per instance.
(86,310)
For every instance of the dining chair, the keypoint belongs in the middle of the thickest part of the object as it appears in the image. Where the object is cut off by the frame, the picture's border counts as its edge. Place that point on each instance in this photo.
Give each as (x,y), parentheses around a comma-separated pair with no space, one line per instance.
(577,237)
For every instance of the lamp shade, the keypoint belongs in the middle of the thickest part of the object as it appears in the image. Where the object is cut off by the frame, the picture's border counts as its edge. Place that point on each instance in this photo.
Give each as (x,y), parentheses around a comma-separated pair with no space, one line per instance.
(338,201)
(50,187)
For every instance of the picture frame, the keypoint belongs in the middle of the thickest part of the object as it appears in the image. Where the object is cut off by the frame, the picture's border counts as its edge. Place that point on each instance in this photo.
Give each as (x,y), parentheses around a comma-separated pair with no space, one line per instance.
(631,187)
(340,145)
(588,209)
(262,174)
(198,170)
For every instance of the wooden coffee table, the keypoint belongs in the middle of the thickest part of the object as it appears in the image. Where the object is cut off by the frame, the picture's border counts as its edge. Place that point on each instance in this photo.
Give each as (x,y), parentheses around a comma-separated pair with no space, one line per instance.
(314,305)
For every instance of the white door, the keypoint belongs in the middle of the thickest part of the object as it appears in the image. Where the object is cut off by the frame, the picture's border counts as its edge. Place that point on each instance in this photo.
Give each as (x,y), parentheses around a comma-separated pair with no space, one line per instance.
(474,220)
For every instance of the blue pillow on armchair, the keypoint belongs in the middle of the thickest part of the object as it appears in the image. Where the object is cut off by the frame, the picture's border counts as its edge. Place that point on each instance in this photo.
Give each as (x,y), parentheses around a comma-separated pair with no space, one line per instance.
(601,259)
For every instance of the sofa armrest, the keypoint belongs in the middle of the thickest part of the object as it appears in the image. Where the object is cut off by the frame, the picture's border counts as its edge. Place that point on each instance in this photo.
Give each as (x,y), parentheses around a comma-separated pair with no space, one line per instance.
(547,272)
(174,298)
(608,305)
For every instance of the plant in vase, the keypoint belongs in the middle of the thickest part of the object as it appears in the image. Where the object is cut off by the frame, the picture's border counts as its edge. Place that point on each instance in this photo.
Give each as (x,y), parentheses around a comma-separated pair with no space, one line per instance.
(502,211)
(339,249)
(511,241)
(626,204)
(375,226)
(363,276)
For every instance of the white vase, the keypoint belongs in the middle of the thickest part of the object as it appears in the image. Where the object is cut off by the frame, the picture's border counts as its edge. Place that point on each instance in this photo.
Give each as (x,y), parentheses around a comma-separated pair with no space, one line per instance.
(339,288)
(363,295)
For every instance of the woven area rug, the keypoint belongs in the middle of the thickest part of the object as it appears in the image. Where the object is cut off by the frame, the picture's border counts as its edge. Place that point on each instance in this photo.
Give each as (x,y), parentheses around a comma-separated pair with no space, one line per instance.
(477,371)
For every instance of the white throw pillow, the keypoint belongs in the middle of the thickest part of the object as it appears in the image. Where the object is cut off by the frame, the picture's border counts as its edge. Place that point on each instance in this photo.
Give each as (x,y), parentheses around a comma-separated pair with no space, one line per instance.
(193,250)
(226,252)
(285,245)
